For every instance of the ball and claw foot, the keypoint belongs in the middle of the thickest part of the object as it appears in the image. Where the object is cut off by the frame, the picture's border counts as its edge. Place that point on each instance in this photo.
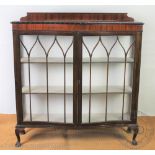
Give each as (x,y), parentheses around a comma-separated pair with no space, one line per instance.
(134,142)
(18,144)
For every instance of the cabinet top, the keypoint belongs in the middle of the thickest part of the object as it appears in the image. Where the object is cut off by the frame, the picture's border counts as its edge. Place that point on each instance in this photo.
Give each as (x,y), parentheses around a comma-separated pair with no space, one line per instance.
(76,18)
(72,19)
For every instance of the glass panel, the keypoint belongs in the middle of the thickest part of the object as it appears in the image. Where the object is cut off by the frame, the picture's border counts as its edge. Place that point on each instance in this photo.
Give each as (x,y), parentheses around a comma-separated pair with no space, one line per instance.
(97,108)
(107,64)
(114,109)
(47,78)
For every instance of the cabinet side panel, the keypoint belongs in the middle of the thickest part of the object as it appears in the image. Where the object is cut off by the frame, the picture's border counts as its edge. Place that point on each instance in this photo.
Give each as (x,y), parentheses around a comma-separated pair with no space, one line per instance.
(17,72)
(136,76)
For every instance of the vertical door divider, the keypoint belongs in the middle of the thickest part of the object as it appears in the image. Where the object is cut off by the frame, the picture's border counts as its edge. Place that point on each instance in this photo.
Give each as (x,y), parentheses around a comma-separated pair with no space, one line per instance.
(77,79)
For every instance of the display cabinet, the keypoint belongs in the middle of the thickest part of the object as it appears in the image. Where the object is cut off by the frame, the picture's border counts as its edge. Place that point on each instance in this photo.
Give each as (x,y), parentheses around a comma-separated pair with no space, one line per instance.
(77,70)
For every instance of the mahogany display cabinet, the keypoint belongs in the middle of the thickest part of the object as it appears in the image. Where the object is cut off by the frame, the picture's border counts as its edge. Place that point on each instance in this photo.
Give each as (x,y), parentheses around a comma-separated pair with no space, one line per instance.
(77,70)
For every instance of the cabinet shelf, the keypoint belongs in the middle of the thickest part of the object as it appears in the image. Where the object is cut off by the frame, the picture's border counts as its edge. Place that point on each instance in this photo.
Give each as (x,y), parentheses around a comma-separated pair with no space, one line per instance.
(69,89)
(70,60)
(96,117)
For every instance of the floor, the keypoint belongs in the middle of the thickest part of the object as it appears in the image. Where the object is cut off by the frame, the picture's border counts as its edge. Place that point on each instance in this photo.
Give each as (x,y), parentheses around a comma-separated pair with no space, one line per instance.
(94,139)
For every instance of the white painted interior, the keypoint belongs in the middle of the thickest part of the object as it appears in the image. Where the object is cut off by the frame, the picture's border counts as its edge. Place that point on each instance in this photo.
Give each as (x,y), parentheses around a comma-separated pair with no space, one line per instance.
(147,83)
(56,76)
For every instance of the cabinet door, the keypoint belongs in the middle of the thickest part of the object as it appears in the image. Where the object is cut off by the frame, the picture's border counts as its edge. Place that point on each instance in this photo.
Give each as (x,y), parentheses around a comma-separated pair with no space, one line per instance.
(47,78)
(107,66)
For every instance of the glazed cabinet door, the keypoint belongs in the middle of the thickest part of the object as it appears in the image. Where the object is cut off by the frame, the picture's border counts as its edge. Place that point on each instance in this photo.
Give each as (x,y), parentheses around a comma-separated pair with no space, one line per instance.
(107,78)
(46,65)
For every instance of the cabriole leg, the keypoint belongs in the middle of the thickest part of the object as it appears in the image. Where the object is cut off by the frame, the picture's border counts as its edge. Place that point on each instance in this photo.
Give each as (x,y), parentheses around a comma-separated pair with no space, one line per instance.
(135,130)
(19,131)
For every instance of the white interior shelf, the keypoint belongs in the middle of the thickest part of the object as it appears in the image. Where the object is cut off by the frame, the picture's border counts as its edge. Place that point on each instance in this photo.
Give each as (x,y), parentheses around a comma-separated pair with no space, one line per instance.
(95,117)
(69,89)
(70,60)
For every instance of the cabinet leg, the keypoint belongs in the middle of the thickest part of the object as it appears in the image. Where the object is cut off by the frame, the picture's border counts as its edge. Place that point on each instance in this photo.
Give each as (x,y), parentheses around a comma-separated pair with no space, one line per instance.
(129,130)
(19,131)
(65,133)
(135,132)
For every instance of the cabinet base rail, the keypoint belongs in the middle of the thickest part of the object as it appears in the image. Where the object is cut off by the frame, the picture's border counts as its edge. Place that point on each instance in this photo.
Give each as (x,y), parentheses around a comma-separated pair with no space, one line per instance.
(131,128)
